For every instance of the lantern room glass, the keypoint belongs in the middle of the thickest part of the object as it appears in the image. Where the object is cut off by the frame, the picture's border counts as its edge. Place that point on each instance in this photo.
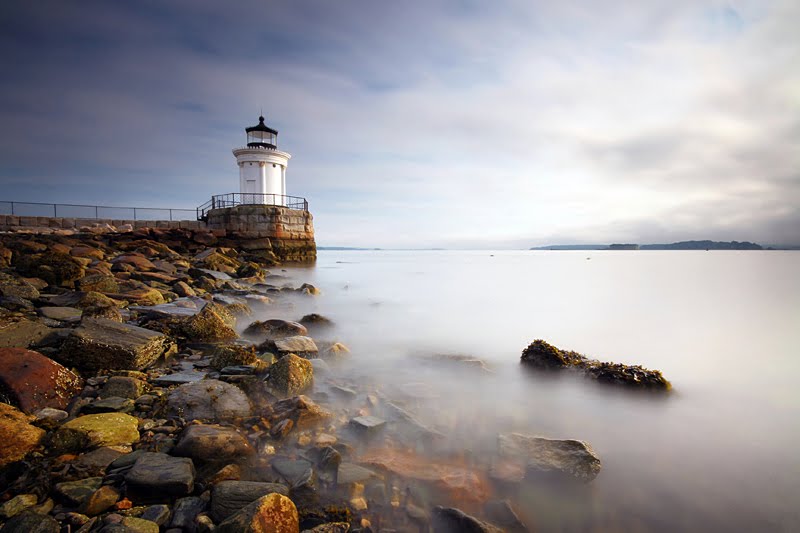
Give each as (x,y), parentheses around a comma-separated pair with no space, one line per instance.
(262,137)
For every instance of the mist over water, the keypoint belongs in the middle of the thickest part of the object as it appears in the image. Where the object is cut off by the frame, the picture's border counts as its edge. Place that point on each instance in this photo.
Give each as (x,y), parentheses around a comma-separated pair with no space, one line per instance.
(720,452)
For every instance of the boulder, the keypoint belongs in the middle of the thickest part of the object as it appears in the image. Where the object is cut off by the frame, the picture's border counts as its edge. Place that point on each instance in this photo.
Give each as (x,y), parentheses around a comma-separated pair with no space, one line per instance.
(98,283)
(298,345)
(275,328)
(542,356)
(316,321)
(212,443)
(185,512)
(64,314)
(233,355)
(300,410)
(32,381)
(56,268)
(16,505)
(229,497)
(139,262)
(103,311)
(451,520)
(544,457)
(13,286)
(212,323)
(99,343)
(273,513)
(156,475)
(92,431)
(19,436)
(290,375)
(208,399)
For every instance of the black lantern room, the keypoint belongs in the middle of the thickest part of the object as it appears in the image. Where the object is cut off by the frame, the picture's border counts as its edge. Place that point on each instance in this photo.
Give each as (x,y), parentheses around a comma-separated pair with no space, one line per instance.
(262,135)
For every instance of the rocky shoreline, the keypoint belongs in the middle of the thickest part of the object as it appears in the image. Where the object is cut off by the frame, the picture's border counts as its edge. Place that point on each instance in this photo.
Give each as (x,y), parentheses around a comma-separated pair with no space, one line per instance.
(139,393)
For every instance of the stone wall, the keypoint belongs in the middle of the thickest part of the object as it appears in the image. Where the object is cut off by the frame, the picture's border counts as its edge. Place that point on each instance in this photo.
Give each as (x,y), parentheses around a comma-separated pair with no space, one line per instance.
(275,233)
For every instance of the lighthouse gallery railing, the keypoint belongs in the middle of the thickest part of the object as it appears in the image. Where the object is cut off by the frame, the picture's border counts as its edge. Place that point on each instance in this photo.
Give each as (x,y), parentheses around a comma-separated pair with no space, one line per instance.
(234,199)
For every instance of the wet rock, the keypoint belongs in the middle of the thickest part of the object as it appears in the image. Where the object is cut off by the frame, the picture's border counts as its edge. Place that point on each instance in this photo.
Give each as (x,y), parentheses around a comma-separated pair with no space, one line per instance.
(138,525)
(233,355)
(49,417)
(103,311)
(124,387)
(212,443)
(178,378)
(19,437)
(139,262)
(209,399)
(99,343)
(275,328)
(92,431)
(335,350)
(458,482)
(98,283)
(30,522)
(96,461)
(77,492)
(16,505)
(290,375)
(542,356)
(16,287)
(15,303)
(301,410)
(316,321)
(185,511)
(182,289)
(113,404)
(450,520)
(293,471)
(229,497)
(273,513)
(23,333)
(159,514)
(155,475)
(546,457)
(349,473)
(100,500)
(307,288)
(61,313)
(367,424)
(32,381)
(212,323)
(298,345)
(56,268)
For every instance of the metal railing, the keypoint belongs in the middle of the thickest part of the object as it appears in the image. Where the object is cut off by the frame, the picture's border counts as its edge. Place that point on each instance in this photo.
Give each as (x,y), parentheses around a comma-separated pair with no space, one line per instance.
(232,199)
(104,212)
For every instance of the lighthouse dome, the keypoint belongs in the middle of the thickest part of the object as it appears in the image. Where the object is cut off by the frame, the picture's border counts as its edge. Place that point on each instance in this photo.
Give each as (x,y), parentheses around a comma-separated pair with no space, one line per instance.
(261,135)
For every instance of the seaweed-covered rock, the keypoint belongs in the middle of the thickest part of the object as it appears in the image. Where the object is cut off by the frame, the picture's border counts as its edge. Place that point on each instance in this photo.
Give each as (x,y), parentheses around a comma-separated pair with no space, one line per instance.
(31,522)
(99,343)
(103,311)
(208,399)
(233,355)
(290,375)
(32,381)
(273,513)
(212,323)
(56,268)
(543,457)
(541,355)
(98,283)
(212,443)
(13,286)
(19,436)
(92,431)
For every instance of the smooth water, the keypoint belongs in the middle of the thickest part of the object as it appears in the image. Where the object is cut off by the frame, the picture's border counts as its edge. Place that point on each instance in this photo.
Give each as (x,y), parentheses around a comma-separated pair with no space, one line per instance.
(719,453)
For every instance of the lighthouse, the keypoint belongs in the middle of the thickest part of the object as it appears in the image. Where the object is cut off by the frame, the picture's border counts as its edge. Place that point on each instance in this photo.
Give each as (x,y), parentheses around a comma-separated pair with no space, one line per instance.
(262,167)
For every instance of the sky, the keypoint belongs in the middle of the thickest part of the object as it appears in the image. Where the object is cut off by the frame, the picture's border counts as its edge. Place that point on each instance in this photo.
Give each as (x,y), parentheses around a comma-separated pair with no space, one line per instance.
(463,124)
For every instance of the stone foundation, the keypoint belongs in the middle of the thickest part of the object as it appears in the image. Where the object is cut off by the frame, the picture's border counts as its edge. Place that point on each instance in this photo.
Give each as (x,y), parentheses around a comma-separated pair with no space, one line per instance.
(272,233)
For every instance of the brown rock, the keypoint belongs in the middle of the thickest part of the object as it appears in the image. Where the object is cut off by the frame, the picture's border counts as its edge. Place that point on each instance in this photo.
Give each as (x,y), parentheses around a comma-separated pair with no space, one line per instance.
(212,443)
(19,437)
(139,262)
(273,513)
(32,381)
(290,375)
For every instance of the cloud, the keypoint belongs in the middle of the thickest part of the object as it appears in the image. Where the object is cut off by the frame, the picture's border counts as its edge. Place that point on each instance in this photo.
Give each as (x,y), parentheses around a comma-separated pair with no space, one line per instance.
(420,124)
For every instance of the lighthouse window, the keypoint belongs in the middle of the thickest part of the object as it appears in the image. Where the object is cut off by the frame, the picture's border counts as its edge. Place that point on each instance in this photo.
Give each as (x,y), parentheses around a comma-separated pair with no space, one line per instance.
(273,165)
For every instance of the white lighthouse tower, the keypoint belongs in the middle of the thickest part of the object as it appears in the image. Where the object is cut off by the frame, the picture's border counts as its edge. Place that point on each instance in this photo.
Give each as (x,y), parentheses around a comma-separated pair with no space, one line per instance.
(262,167)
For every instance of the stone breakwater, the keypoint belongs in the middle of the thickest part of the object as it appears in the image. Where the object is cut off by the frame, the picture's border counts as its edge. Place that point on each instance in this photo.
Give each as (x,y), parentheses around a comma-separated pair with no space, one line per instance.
(287,233)
(138,393)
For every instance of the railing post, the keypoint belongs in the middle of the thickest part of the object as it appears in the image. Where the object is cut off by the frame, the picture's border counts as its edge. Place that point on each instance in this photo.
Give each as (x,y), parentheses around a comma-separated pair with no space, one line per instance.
(96,216)
(170,215)
(55,211)
(134,213)
(12,208)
